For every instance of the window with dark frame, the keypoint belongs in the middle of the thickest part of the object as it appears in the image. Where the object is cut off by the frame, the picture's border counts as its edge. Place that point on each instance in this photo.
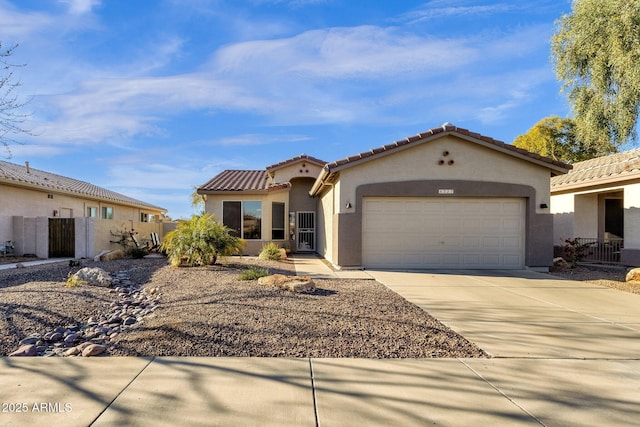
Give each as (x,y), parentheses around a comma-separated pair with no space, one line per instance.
(107,212)
(232,217)
(251,220)
(277,221)
(243,218)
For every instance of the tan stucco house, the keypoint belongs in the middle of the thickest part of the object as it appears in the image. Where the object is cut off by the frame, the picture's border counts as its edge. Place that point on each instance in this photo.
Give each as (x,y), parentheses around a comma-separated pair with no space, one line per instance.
(598,202)
(50,215)
(445,198)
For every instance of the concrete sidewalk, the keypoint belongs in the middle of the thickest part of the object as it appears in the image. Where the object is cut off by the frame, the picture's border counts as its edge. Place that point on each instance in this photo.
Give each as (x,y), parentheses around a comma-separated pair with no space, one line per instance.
(511,390)
(32,263)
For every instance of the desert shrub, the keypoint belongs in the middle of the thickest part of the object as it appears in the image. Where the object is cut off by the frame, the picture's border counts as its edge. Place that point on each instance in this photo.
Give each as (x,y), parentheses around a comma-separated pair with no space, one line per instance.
(200,240)
(73,281)
(575,251)
(253,273)
(136,253)
(270,252)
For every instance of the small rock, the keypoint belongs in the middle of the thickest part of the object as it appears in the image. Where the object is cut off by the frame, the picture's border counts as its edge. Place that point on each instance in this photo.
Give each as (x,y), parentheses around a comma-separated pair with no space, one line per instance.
(57,336)
(29,340)
(93,350)
(129,321)
(560,264)
(70,338)
(82,346)
(73,351)
(25,350)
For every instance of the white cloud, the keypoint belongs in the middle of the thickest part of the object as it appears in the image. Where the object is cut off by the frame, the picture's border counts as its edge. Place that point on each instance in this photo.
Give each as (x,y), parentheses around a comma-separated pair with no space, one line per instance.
(261,139)
(336,75)
(364,51)
(16,24)
(80,7)
(445,8)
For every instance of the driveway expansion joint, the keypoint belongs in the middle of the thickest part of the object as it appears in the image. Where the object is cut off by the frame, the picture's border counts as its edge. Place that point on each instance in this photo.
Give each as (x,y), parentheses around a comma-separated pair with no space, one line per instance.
(513,402)
(123,390)
(313,393)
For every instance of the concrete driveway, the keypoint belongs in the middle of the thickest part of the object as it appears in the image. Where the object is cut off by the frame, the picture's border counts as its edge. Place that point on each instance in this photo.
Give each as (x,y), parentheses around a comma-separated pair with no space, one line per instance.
(518,314)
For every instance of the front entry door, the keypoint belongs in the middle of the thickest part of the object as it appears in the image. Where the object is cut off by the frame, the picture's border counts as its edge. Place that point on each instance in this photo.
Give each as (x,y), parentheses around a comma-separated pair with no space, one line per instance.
(306,231)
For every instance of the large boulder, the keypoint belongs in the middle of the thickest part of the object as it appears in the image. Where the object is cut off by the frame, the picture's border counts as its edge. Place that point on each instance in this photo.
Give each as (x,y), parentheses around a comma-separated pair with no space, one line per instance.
(110,255)
(302,284)
(93,277)
(633,275)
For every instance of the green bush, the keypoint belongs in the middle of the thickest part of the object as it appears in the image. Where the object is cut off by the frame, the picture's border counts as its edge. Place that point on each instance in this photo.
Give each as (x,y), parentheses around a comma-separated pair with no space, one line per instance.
(200,241)
(253,273)
(137,253)
(270,252)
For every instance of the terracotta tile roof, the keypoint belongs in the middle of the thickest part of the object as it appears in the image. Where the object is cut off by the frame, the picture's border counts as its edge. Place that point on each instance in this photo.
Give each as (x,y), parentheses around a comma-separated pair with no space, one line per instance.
(14,174)
(237,180)
(296,159)
(447,127)
(612,168)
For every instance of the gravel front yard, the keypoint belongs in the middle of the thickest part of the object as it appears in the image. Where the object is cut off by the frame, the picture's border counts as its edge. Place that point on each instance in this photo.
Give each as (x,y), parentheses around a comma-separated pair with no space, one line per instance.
(208,312)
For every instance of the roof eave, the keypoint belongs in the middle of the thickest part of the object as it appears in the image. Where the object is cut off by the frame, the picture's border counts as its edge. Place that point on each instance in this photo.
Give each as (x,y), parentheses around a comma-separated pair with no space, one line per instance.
(61,191)
(598,182)
(321,181)
(558,167)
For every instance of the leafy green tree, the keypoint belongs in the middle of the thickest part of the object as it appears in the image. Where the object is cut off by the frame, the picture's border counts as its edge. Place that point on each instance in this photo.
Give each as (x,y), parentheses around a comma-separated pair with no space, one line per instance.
(596,53)
(555,137)
(11,118)
(198,200)
(199,241)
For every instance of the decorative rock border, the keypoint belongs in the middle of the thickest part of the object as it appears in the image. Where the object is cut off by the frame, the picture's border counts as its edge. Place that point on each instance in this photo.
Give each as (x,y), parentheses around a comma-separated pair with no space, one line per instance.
(92,337)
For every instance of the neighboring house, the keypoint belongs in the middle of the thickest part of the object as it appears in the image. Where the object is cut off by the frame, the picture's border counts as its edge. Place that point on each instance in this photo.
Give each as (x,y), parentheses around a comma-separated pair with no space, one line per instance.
(52,216)
(598,202)
(446,198)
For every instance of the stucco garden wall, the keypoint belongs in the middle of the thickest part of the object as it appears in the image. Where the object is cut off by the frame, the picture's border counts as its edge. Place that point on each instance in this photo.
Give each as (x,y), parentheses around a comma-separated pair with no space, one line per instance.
(586,223)
(562,208)
(632,216)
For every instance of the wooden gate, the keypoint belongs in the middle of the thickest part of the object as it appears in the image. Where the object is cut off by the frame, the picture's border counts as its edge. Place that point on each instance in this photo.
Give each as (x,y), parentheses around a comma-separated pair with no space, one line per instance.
(62,238)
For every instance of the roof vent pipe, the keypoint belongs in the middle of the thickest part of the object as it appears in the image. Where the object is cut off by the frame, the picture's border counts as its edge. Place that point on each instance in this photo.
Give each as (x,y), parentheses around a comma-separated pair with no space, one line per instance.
(26,165)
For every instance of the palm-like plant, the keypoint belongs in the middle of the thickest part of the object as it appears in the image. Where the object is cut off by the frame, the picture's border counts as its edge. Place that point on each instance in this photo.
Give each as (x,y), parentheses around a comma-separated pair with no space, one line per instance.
(199,241)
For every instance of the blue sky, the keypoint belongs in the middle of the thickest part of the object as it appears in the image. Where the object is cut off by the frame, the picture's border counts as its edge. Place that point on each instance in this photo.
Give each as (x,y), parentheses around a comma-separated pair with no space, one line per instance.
(151,98)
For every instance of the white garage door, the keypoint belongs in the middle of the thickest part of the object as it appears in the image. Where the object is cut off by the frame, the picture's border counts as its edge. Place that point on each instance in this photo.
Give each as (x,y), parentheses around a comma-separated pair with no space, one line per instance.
(470,233)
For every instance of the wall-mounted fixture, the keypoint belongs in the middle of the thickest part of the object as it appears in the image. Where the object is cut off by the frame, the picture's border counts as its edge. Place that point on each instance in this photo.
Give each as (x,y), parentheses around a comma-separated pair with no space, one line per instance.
(49,196)
(544,206)
(55,213)
(348,206)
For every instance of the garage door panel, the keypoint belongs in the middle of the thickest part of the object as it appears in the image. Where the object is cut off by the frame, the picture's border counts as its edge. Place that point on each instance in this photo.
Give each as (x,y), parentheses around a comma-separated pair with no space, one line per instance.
(443,233)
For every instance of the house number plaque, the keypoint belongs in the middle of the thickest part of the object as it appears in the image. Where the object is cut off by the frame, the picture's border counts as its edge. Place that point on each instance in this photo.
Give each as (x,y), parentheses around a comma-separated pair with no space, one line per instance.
(445,191)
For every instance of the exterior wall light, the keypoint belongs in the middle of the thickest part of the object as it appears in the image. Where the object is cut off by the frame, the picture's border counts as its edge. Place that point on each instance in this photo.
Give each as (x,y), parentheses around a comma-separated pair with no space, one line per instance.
(348,206)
